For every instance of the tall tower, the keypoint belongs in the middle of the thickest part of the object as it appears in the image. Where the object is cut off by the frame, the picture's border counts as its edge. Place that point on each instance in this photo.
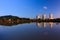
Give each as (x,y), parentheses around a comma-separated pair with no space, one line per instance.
(38,17)
(50,16)
(44,16)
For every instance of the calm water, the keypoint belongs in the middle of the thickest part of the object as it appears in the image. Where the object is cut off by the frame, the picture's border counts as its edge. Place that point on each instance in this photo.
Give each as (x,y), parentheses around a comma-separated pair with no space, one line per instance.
(31,31)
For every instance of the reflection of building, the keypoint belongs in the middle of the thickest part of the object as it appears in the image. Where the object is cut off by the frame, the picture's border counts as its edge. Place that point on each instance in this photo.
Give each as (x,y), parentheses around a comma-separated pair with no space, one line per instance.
(44,24)
(50,16)
(38,17)
(57,23)
(38,24)
(51,24)
(43,16)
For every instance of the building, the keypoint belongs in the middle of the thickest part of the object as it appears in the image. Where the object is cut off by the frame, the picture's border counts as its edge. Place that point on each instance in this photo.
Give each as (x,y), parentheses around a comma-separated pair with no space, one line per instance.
(38,17)
(50,16)
(44,16)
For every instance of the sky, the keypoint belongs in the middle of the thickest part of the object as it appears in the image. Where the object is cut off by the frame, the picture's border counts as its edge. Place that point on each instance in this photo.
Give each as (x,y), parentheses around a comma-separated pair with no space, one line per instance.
(29,8)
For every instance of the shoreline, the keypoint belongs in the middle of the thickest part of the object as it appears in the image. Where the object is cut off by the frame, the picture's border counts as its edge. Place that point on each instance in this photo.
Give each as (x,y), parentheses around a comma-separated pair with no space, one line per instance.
(12,20)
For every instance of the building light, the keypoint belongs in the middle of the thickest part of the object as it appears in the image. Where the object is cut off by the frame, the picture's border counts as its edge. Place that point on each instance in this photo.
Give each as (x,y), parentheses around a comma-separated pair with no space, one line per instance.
(44,16)
(38,17)
(50,16)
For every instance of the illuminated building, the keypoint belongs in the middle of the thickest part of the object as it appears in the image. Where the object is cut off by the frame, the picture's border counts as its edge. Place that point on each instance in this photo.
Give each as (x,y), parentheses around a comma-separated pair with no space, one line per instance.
(38,17)
(50,16)
(43,16)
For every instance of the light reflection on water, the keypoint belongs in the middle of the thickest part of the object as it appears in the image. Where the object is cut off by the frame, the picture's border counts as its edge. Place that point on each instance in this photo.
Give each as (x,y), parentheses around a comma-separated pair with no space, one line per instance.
(44,24)
(31,31)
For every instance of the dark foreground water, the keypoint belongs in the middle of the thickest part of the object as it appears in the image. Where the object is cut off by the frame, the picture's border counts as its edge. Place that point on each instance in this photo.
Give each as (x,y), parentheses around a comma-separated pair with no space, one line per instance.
(31,31)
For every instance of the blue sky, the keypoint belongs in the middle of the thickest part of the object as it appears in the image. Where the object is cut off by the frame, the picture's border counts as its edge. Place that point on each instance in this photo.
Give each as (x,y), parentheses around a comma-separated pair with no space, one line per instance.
(29,8)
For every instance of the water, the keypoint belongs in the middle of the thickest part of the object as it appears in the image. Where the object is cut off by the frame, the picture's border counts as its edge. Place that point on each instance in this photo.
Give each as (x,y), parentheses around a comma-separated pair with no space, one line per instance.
(31,31)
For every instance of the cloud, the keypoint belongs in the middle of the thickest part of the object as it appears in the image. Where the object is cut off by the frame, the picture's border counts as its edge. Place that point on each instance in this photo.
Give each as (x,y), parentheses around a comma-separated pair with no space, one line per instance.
(45,7)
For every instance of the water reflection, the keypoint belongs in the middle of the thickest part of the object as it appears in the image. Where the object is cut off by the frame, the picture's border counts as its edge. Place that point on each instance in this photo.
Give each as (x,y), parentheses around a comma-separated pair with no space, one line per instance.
(31,32)
(38,25)
(57,23)
(51,24)
(12,24)
(44,24)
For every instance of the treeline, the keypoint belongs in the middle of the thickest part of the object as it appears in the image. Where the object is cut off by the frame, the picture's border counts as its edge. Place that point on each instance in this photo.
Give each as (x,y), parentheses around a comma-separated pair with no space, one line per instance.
(48,20)
(15,18)
(12,17)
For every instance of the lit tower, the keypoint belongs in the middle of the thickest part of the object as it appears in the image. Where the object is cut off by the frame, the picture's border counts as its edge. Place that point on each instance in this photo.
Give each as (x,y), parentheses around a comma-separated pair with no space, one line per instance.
(38,17)
(44,16)
(50,16)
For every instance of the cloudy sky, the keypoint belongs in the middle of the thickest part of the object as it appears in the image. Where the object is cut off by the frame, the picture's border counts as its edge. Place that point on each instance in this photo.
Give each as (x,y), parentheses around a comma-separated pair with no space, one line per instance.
(29,8)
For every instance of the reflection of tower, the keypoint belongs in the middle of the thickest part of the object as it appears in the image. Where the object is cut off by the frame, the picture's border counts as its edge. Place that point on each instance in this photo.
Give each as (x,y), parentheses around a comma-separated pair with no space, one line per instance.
(51,24)
(38,17)
(57,23)
(43,16)
(50,16)
(44,24)
(38,24)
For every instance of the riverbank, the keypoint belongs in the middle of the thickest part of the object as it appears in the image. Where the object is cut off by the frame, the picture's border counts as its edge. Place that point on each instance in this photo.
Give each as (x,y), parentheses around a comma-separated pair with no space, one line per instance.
(12,20)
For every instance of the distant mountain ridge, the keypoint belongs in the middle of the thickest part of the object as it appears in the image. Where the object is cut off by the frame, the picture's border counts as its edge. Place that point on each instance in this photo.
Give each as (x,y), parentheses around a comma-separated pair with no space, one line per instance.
(10,16)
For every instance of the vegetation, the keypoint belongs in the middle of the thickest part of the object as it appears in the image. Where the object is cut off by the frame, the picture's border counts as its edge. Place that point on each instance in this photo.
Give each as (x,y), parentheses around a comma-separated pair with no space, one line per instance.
(13,20)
